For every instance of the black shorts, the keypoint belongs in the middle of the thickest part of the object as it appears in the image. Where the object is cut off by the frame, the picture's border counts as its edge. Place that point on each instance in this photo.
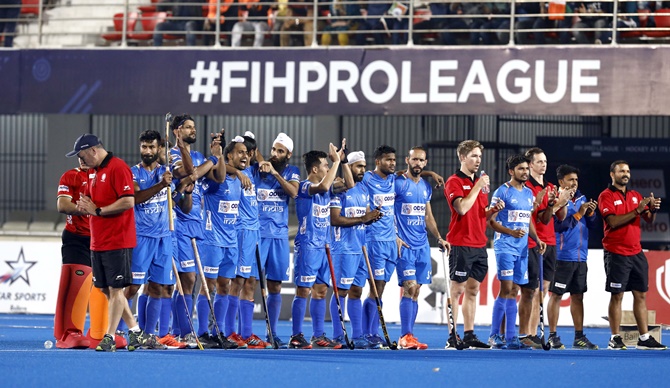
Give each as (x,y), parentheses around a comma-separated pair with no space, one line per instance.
(549,266)
(112,268)
(76,249)
(570,277)
(626,273)
(467,262)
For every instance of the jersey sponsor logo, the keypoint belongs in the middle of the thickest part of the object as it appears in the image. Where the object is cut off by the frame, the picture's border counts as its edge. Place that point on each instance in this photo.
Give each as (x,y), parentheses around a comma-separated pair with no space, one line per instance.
(408,194)
(321,225)
(229,207)
(320,211)
(346,280)
(380,272)
(103,177)
(307,279)
(418,221)
(187,263)
(126,188)
(461,273)
(272,209)
(605,210)
(409,272)
(384,200)
(245,269)
(467,187)
(413,209)
(559,285)
(507,272)
(354,211)
(152,210)
(271,195)
(615,285)
(251,192)
(635,200)
(295,177)
(518,216)
(139,275)
(618,202)
(208,269)
(63,188)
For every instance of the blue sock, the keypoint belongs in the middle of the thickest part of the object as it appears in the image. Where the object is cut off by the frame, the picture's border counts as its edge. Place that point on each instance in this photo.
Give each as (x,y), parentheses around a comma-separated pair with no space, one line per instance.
(374,319)
(369,308)
(274,308)
(176,330)
(220,310)
(317,309)
(239,320)
(510,317)
(183,323)
(153,310)
(498,313)
(166,309)
(298,313)
(203,315)
(415,305)
(246,317)
(231,314)
(406,314)
(335,316)
(355,311)
(142,311)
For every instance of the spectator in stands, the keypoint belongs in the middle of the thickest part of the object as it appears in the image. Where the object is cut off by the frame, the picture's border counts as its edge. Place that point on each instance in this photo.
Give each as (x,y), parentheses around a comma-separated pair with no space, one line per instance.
(373,20)
(9,15)
(185,17)
(338,22)
(300,17)
(469,18)
(595,15)
(553,20)
(522,23)
(495,21)
(253,19)
(227,19)
(420,19)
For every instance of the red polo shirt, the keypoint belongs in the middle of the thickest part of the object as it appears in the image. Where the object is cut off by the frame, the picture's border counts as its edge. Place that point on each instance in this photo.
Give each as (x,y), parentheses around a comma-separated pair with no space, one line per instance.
(545,232)
(109,182)
(468,230)
(624,240)
(71,185)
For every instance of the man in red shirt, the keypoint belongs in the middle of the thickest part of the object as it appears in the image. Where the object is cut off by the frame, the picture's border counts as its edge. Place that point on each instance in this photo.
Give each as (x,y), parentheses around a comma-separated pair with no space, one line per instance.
(468,261)
(109,202)
(625,264)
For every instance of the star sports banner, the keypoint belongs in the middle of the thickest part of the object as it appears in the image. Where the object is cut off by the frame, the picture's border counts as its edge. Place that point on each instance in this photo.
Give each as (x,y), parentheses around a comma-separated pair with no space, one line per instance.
(352,81)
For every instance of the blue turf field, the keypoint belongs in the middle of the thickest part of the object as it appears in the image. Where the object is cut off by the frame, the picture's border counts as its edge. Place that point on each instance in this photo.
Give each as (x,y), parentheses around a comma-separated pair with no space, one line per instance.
(25,362)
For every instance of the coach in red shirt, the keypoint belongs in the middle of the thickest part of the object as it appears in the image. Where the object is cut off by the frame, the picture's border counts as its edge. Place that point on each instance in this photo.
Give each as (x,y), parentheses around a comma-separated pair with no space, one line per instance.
(110,201)
(625,264)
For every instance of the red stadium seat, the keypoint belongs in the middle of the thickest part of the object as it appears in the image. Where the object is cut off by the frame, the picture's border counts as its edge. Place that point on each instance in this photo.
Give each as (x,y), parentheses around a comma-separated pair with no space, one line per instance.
(148,8)
(118,27)
(643,23)
(662,20)
(30,7)
(149,20)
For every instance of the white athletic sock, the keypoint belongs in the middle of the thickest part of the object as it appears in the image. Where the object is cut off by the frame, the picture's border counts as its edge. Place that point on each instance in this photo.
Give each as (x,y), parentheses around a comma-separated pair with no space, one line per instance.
(644,337)
(135,329)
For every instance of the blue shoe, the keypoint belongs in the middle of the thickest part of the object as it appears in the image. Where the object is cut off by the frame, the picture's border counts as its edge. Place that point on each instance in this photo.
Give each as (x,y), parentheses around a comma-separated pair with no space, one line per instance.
(515,344)
(340,340)
(279,344)
(496,341)
(363,343)
(376,339)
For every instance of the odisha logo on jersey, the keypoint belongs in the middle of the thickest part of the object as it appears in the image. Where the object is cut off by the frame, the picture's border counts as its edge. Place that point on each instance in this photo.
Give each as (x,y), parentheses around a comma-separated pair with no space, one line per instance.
(228,206)
(384,199)
(518,216)
(413,209)
(320,211)
(354,212)
(269,195)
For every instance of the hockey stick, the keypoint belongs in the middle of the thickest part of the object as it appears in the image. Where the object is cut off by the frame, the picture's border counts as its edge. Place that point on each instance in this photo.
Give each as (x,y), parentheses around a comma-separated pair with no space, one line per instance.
(261,282)
(168,119)
(393,345)
(188,313)
(545,345)
(219,335)
(459,344)
(350,344)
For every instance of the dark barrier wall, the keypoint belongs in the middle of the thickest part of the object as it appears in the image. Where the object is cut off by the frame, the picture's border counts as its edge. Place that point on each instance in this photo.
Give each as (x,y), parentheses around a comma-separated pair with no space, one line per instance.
(425,81)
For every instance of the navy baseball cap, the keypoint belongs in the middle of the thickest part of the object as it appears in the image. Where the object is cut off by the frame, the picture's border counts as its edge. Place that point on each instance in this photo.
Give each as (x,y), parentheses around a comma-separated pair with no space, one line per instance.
(83,142)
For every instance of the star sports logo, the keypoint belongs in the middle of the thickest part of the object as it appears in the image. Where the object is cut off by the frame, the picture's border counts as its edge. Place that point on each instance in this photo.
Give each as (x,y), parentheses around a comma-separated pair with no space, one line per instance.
(19,270)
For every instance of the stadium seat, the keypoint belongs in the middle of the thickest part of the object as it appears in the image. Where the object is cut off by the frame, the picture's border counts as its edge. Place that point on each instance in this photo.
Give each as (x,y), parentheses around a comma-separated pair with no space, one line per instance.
(644,18)
(118,27)
(30,7)
(44,221)
(148,8)
(148,20)
(17,221)
(662,19)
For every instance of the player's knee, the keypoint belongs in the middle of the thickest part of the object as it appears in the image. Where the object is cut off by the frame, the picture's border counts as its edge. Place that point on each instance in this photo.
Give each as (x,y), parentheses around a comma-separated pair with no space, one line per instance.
(274,287)
(409,288)
(618,297)
(639,296)
(574,297)
(302,292)
(355,292)
(154,289)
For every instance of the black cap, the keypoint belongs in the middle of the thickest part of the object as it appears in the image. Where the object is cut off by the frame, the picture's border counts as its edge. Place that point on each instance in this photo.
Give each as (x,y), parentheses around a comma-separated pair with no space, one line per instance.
(83,142)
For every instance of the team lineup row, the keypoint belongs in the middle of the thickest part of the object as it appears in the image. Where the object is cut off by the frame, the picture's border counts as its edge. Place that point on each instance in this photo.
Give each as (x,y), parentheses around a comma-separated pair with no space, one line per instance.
(231,227)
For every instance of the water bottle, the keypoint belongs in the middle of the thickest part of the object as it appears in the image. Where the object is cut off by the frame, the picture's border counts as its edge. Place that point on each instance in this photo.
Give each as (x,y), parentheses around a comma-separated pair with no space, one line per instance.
(486,189)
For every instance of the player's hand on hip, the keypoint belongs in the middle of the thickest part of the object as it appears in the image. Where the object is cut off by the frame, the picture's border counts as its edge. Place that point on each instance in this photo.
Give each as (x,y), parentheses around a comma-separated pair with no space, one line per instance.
(400,244)
(518,233)
(542,245)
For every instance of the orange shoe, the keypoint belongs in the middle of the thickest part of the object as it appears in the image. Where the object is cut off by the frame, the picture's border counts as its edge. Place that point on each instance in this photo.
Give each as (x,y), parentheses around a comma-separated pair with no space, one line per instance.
(419,345)
(171,342)
(408,342)
(254,342)
(73,340)
(241,343)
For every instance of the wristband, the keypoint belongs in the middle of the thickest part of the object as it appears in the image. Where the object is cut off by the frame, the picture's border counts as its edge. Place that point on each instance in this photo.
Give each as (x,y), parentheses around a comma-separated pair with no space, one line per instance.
(98,211)
(550,204)
(213,159)
(177,196)
(637,212)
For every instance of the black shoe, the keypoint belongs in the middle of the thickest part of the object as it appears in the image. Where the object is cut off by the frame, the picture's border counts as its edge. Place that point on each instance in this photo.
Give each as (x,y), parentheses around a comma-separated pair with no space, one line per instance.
(106,344)
(136,339)
(208,342)
(151,342)
(451,342)
(472,342)
(223,342)
(298,341)
(584,343)
(650,344)
(555,342)
(616,343)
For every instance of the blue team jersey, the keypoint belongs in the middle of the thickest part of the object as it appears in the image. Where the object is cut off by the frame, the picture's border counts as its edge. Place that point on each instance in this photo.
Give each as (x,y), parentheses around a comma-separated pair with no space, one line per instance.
(248,203)
(410,210)
(222,205)
(515,215)
(313,217)
(352,203)
(273,203)
(382,193)
(195,215)
(151,216)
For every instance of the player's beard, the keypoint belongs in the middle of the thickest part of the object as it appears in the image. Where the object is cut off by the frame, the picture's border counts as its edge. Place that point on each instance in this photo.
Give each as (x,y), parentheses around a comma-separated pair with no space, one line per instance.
(189,139)
(359,177)
(620,181)
(416,171)
(277,164)
(148,160)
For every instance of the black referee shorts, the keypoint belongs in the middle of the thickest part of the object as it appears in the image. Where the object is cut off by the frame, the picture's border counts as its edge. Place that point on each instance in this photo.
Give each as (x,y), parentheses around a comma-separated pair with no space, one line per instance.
(570,277)
(626,273)
(549,266)
(112,268)
(76,249)
(467,262)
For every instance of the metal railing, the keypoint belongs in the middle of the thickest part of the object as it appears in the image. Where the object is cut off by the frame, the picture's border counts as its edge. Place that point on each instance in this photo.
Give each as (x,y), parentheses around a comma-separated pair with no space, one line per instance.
(319,23)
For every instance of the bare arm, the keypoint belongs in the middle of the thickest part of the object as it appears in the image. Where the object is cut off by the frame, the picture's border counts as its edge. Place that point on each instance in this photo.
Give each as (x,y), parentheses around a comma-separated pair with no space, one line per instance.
(431,226)
(327,181)
(66,206)
(290,188)
(119,206)
(464,204)
(336,219)
(142,196)
(615,221)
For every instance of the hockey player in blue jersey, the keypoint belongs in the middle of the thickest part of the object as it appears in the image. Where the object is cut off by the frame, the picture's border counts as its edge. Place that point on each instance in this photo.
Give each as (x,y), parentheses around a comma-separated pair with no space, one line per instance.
(413,217)
(312,272)
(512,226)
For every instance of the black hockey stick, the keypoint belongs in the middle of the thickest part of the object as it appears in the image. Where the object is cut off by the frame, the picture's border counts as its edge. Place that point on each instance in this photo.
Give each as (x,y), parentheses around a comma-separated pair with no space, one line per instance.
(350,344)
(545,345)
(264,302)
(393,345)
(459,344)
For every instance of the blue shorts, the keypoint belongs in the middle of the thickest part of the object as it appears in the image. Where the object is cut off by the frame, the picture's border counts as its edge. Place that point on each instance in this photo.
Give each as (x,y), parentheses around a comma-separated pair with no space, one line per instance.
(415,264)
(311,266)
(246,242)
(218,261)
(275,257)
(185,256)
(383,258)
(350,268)
(513,267)
(152,260)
